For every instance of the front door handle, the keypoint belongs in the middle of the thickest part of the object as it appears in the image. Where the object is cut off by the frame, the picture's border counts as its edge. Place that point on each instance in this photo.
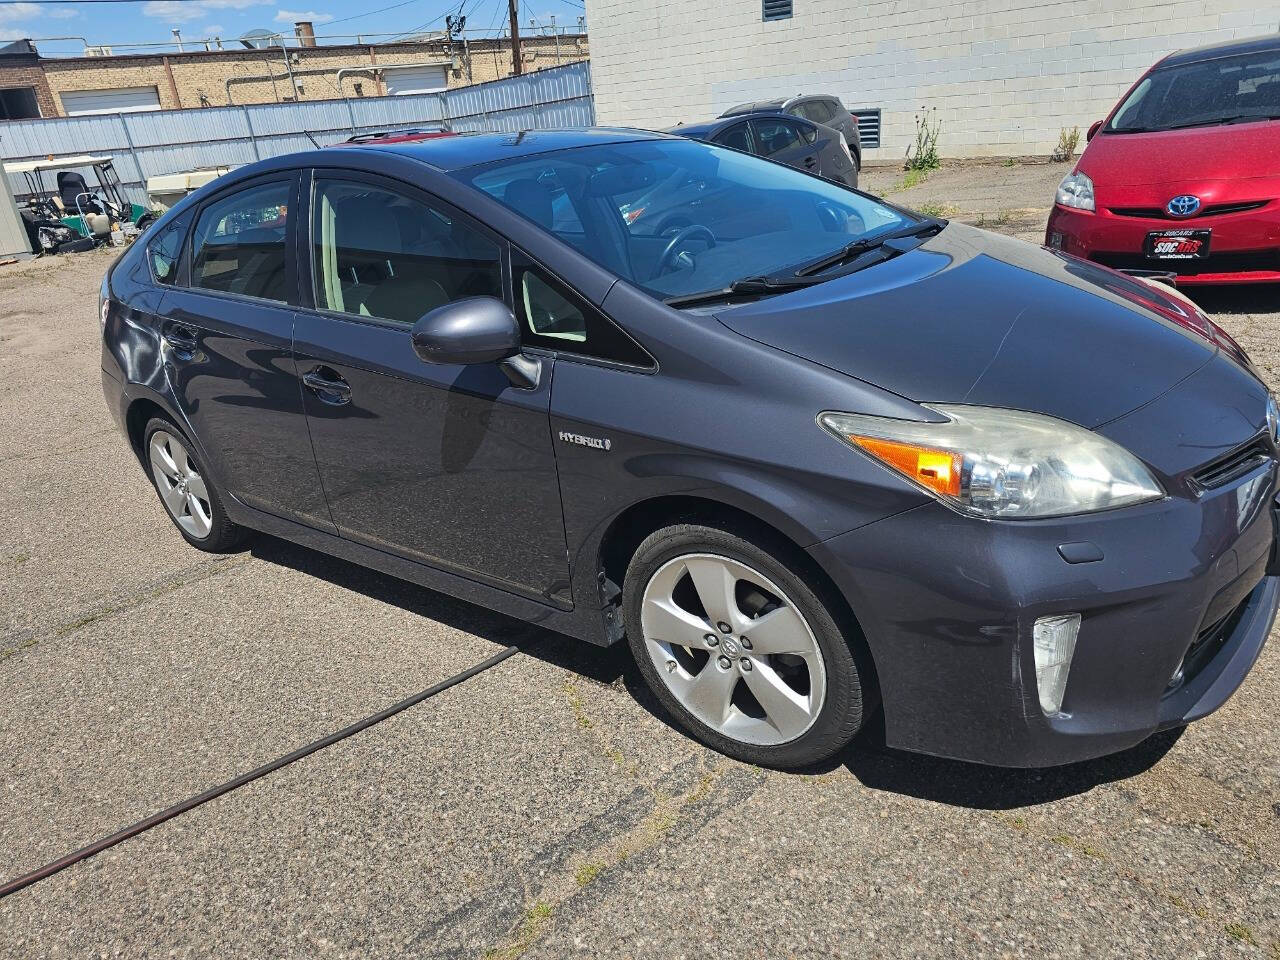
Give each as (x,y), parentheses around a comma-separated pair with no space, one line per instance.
(184,340)
(328,385)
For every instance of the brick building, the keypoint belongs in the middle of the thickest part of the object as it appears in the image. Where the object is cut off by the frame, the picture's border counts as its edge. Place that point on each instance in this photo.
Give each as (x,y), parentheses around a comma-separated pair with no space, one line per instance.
(303,71)
(1005,75)
(24,92)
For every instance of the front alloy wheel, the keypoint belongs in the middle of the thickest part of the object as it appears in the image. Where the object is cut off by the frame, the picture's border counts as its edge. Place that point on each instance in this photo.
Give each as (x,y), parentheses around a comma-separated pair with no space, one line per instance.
(756,677)
(736,637)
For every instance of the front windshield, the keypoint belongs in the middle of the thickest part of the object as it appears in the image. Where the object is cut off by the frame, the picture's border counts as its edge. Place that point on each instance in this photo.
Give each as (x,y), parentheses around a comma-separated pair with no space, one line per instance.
(1227,90)
(678,216)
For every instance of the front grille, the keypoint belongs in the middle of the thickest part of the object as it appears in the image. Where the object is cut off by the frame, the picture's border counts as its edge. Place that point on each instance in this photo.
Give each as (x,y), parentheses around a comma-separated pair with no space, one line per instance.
(1237,463)
(1160,213)
(1258,261)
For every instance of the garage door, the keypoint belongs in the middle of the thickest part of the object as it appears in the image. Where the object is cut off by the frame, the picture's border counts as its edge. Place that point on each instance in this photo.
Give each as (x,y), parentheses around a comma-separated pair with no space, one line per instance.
(119,100)
(415,80)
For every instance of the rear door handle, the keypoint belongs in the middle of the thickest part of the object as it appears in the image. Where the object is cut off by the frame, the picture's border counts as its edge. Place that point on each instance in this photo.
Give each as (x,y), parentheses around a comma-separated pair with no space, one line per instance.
(328,385)
(184,341)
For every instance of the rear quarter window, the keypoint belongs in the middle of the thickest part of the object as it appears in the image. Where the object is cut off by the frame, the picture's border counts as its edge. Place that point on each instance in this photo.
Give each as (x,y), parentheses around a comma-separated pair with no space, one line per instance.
(164,250)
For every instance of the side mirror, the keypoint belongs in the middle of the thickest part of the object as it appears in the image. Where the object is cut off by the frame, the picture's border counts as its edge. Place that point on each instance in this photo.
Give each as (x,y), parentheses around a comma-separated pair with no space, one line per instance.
(1093,130)
(474,330)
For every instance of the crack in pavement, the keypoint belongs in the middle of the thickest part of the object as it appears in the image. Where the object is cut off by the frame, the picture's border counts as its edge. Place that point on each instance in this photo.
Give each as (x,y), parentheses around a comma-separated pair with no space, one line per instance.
(15,641)
(678,804)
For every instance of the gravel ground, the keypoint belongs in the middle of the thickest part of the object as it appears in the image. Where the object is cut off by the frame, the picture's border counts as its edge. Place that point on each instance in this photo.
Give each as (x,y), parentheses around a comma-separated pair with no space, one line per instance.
(543,808)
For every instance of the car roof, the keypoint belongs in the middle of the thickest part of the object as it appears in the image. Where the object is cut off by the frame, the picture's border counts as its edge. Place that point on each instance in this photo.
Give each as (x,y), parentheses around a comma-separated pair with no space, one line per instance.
(469,150)
(757,106)
(1215,51)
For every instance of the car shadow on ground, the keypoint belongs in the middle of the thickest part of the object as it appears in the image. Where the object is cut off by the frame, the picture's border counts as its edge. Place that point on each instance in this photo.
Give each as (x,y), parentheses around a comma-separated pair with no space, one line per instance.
(867,759)
(1241,298)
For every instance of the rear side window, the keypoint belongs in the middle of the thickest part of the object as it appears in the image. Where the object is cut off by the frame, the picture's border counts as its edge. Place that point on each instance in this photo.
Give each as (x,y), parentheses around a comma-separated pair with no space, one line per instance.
(819,111)
(239,243)
(379,253)
(735,138)
(165,250)
(775,136)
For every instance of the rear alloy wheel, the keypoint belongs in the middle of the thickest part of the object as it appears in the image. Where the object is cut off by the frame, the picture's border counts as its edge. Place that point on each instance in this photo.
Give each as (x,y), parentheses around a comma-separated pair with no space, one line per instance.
(189,497)
(740,649)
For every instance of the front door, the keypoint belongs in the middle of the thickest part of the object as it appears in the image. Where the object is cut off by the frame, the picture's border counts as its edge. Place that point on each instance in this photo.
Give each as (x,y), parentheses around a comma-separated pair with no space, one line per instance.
(227,329)
(450,465)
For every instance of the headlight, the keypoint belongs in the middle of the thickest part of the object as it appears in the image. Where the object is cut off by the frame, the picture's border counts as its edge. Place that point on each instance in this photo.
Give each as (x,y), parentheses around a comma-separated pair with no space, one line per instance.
(1002,464)
(1076,190)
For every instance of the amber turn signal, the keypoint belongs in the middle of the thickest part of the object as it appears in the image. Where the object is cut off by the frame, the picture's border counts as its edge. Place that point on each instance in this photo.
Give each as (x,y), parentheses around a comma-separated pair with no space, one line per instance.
(939,470)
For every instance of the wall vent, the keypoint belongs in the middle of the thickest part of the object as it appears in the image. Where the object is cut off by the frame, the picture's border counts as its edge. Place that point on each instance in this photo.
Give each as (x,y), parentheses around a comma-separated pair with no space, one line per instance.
(775,9)
(868,128)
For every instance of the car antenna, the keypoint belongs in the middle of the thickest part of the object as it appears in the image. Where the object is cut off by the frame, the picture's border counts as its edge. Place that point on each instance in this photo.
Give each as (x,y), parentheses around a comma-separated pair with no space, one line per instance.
(310,136)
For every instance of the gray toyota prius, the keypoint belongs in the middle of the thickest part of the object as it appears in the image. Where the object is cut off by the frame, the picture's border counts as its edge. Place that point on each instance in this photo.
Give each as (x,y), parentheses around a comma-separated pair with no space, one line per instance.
(814,457)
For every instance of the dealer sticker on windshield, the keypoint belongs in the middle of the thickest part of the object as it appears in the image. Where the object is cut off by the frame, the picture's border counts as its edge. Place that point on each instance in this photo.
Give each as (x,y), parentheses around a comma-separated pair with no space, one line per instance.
(1177,244)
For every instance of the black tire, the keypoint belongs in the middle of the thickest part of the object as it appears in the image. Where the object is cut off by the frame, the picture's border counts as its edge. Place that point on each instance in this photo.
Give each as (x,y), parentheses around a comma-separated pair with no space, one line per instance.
(223,536)
(841,714)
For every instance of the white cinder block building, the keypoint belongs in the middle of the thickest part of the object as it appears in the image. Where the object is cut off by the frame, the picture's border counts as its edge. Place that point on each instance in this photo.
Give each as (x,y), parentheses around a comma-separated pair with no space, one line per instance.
(1005,75)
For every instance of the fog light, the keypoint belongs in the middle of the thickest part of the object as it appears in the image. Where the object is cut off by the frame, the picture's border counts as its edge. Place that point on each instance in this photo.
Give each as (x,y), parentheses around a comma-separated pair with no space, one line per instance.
(1055,644)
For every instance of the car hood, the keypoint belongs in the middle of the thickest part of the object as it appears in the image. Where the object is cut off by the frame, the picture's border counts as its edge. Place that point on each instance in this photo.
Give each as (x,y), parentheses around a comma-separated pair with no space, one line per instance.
(1171,158)
(972,317)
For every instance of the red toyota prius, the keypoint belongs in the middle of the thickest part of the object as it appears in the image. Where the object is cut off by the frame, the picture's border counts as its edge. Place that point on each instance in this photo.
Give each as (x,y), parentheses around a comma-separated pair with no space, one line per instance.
(1184,176)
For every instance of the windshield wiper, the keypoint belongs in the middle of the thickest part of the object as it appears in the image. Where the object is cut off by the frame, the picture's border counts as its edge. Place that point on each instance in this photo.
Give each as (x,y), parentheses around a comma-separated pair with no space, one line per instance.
(1222,121)
(742,287)
(851,251)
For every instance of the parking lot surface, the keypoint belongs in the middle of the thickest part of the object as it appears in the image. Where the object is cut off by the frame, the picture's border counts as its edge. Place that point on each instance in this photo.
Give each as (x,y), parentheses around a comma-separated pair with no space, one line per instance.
(543,808)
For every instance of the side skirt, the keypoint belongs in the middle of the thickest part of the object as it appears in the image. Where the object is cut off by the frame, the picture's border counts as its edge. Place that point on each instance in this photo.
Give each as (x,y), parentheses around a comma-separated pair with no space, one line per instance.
(580,624)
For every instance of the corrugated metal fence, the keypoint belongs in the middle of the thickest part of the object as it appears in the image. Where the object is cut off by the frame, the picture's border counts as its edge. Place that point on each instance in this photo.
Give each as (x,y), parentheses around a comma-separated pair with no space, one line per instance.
(169,141)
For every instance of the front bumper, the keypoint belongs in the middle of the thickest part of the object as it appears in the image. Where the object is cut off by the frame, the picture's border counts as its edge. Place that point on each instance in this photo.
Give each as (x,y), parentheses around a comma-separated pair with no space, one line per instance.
(1245,247)
(948,603)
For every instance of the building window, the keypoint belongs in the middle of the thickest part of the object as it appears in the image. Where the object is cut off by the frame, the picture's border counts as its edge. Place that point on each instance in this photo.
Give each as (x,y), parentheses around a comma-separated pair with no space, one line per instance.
(775,9)
(19,103)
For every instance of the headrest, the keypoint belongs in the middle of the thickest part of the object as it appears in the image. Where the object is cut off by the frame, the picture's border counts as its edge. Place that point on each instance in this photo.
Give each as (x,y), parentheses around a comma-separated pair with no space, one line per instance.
(531,199)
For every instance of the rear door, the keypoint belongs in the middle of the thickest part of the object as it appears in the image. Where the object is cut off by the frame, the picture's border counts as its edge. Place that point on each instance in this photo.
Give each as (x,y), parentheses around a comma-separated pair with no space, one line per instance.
(782,140)
(444,464)
(227,330)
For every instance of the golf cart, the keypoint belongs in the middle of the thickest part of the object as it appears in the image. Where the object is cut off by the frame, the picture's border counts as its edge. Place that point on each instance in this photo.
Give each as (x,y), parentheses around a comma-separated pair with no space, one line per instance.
(74,216)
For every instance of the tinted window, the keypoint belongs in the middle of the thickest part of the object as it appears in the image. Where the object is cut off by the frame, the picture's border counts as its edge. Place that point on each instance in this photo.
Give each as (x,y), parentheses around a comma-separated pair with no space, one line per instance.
(818,111)
(736,138)
(775,136)
(1226,90)
(165,248)
(634,198)
(377,253)
(552,316)
(239,243)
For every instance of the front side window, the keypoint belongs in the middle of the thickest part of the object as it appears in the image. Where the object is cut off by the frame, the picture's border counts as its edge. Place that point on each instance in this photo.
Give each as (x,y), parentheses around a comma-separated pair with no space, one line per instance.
(675,216)
(164,250)
(239,243)
(378,253)
(1238,89)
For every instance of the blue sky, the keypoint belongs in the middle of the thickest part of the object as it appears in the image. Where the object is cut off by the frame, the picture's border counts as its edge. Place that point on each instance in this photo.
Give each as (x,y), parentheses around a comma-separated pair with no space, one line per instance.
(150,21)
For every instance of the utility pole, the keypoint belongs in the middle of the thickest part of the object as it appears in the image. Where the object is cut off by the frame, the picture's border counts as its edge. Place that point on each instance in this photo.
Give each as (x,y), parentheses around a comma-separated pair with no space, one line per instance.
(517,67)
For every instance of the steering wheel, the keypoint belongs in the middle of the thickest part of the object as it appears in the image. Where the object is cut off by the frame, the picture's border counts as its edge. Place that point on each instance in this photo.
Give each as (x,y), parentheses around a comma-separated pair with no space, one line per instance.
(667,260)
